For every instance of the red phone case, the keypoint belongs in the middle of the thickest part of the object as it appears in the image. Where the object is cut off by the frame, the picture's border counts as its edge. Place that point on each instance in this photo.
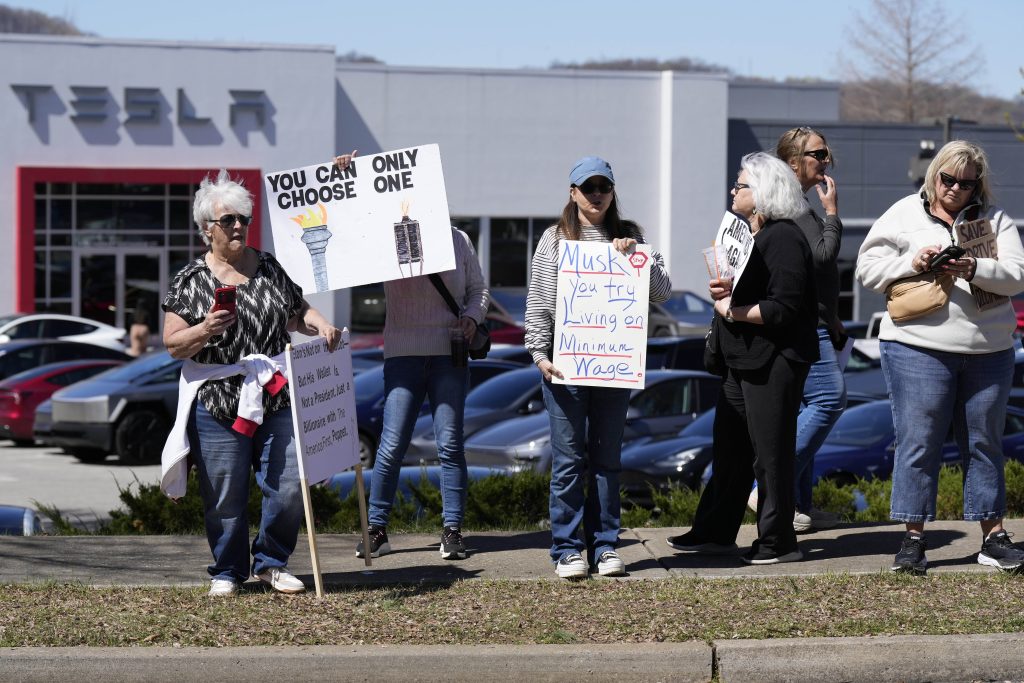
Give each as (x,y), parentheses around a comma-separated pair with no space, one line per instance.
(224,299)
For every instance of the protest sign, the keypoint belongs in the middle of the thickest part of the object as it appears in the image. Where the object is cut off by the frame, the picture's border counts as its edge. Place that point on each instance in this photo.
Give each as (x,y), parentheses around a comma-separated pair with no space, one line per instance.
(385,217)
(979,241)
(733,244)
(324,416)
(601,314)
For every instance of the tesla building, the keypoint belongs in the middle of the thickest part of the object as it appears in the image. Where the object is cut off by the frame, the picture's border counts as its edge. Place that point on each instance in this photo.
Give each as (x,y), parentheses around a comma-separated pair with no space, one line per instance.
(105,142)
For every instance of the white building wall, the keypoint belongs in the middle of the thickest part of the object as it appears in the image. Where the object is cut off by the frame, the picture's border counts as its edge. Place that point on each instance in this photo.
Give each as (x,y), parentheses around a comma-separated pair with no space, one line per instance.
(298,127)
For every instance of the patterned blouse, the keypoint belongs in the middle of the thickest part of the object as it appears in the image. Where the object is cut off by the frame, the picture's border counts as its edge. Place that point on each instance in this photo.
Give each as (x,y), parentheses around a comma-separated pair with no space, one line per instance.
(264,306)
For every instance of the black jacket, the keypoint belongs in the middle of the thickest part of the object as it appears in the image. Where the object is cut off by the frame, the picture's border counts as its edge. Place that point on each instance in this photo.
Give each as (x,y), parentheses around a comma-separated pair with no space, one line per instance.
(779,278)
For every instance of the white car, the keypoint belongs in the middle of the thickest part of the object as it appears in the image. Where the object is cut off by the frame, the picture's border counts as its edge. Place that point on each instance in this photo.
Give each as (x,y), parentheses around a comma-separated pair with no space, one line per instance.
(58,326)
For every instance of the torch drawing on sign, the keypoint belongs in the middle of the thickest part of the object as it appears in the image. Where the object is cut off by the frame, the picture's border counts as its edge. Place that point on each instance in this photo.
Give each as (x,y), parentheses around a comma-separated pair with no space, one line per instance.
(408,246)
(315,235)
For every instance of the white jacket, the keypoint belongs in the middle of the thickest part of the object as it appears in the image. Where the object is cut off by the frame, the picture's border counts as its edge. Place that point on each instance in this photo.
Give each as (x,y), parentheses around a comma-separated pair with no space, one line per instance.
(258,370)
(960,327)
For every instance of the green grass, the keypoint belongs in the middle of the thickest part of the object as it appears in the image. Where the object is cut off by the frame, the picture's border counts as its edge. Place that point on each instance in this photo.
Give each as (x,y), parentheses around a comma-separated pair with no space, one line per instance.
(488,612)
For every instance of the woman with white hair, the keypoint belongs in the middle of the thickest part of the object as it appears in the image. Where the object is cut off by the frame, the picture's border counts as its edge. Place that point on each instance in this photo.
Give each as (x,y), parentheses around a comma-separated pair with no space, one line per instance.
(244,333)
(767,330)
(951,366)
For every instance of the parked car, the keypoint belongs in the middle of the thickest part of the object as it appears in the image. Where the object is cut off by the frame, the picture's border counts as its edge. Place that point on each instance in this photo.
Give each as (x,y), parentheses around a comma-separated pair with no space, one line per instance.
(512,393)
(369,388)
(59,326)
(692,312)
(680,353)
(22,393)
(128,411)
(28,354)
(19,521)
(670,400)
(515,353)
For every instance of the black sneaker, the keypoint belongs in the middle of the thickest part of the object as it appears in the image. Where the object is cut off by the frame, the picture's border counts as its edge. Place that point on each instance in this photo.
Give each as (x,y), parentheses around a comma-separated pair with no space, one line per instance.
(755,556)
(452,545)
(378,542)
(997,551)
(910,559)
(689,543)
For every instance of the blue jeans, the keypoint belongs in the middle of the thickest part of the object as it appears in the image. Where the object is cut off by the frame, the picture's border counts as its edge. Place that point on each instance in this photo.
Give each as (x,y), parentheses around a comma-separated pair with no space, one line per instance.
(407,380)
(930,391)
(223,459)
(823,402)
(586,441)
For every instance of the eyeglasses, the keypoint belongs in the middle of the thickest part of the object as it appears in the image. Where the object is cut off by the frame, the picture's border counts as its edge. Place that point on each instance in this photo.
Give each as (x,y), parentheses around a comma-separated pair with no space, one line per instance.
(736,187)
(965,184)
(227,221)
(592,187)
(818,154)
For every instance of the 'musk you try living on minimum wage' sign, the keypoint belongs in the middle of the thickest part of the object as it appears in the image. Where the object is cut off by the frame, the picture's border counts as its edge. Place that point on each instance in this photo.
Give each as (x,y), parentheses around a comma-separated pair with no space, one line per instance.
(601,314)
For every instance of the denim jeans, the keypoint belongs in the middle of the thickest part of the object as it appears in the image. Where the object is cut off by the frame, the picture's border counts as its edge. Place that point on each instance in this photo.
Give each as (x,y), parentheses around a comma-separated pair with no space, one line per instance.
(930,391)
(407,380)
(823,402)
(223,459)
(586,441)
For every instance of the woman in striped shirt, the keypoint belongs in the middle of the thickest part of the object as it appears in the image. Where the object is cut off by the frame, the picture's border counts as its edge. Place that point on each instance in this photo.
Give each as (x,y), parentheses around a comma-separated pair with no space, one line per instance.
(586,422)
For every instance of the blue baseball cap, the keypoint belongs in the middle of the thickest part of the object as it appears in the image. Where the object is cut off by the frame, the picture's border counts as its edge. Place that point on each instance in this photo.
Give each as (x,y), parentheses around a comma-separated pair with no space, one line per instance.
(588,167)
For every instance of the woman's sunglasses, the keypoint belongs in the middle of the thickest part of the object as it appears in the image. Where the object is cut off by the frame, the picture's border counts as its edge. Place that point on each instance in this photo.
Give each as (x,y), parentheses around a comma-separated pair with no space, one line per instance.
(949,181)
(739,186)
(818,154)
(592,187)
(227,221)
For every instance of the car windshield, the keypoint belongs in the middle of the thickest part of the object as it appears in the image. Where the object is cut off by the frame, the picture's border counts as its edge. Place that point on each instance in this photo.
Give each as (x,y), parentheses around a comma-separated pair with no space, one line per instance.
(686,302)
(514,302)
(145,365)
(862,425)
(369,384)
(703,426)
(499,391)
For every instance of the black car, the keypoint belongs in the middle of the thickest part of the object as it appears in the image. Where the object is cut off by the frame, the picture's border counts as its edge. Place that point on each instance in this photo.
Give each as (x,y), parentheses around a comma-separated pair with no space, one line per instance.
(28,354)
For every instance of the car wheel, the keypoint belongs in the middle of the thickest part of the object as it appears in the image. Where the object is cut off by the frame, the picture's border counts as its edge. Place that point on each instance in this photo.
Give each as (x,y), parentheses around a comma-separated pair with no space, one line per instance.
(367,450)
(140,437)
(22,443)
(86,455)
(662,332)
(842,479)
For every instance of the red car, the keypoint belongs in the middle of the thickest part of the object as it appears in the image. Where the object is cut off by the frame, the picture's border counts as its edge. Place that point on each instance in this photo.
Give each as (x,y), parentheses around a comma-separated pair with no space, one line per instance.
(20,394)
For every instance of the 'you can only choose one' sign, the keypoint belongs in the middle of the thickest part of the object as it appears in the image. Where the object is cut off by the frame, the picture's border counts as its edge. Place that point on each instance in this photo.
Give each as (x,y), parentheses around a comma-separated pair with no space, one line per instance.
(601,314)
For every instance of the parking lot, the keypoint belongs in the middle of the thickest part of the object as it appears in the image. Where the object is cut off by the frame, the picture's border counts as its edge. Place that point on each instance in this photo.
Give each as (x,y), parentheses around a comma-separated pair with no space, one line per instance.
(84,493)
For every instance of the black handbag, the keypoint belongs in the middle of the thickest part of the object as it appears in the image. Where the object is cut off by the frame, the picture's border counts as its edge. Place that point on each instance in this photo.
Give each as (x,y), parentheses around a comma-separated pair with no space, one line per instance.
(481,342)
(714,359)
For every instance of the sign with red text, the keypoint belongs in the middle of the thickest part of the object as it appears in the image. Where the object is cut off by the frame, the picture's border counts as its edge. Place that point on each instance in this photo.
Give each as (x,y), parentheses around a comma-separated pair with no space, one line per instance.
(601,314)
(323,408)
(384,217)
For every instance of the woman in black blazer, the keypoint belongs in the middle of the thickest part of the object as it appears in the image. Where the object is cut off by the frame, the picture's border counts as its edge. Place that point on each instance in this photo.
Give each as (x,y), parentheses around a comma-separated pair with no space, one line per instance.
(767,327)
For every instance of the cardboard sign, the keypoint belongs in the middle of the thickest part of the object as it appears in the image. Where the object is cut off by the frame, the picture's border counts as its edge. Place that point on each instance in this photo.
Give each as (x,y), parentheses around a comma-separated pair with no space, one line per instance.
(978,240)
(601,314)
(384,217)
(323,408)
(734,242)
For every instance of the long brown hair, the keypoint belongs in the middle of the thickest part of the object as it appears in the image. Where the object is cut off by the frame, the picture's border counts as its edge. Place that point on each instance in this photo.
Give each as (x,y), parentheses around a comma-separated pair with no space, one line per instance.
(569,223)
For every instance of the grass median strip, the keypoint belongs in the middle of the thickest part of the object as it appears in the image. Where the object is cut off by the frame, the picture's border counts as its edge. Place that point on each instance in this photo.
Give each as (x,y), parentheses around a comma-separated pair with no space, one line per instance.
(512,612)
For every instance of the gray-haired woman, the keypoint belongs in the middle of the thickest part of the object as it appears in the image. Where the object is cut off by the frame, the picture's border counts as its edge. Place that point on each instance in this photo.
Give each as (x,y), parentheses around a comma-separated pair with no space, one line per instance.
(767,327)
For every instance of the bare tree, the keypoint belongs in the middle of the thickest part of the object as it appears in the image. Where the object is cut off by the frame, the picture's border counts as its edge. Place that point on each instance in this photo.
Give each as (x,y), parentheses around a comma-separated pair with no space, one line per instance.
(1010,117)
(14,20)
(906,48)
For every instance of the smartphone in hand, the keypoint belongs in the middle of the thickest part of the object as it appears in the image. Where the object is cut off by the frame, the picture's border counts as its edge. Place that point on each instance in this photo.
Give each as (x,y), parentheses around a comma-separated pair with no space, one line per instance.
(950,253)
(224,299)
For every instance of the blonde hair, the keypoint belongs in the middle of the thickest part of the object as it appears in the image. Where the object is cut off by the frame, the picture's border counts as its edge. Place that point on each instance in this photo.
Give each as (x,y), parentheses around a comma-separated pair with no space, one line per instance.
(955,156)
(792,144)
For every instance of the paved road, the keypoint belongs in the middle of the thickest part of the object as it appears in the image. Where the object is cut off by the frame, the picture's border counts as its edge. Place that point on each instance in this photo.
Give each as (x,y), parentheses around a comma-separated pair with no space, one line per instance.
(84,493)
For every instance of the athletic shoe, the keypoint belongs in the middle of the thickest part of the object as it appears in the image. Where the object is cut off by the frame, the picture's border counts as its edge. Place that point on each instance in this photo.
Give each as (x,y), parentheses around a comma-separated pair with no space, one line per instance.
(571,566)
(378,542)
(910,559)
(997,551)
(452,545)
(281,580)
(765,557)
(223,587)
(813,519)
(752,500)
(689,543)
(610,564)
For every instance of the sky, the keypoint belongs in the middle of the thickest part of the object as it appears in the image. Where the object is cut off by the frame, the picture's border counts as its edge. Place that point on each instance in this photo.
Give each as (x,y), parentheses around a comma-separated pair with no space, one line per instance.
(775,39)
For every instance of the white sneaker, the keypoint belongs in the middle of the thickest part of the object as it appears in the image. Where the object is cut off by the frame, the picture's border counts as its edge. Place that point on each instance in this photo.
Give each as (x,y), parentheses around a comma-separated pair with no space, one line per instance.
(223,587)
(752,500)
(801,522)
(610,564)
(281,580)
(571,566)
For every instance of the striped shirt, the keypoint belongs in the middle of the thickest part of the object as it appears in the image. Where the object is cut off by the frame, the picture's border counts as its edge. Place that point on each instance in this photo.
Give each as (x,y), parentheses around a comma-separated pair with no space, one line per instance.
(541,297)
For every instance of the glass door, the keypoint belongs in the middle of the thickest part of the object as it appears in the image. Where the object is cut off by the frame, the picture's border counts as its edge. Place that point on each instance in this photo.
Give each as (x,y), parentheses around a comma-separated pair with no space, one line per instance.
(118,287)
